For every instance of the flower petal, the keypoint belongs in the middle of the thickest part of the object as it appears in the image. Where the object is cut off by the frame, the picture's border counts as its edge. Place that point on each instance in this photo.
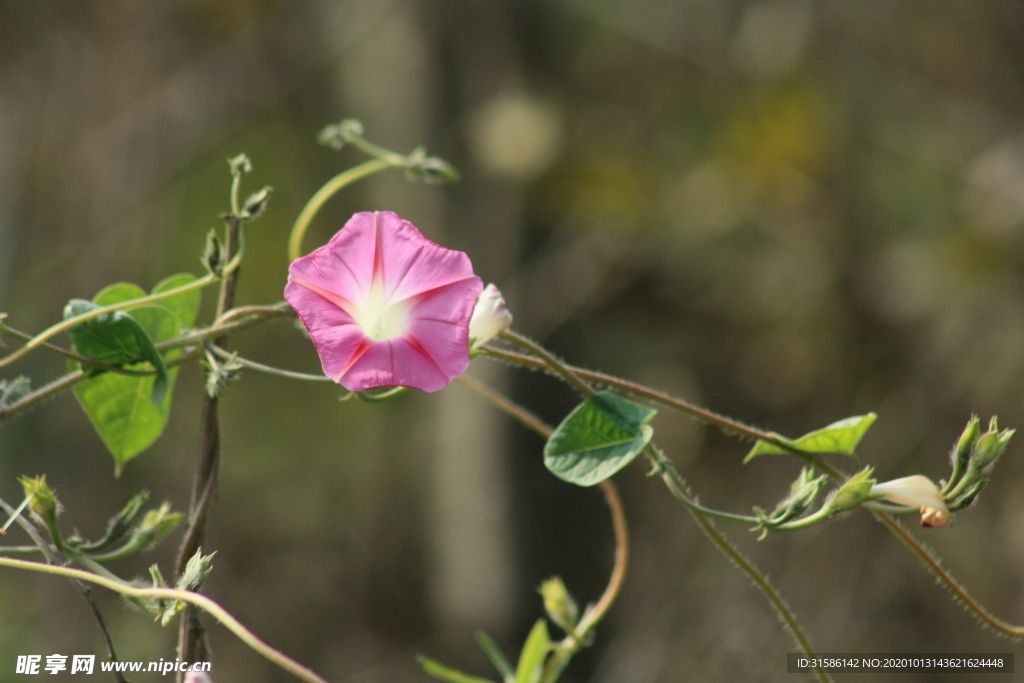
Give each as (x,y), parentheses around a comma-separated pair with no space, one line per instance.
(335,334)
(915,491)
(345,265)
(411,263)
(395,362)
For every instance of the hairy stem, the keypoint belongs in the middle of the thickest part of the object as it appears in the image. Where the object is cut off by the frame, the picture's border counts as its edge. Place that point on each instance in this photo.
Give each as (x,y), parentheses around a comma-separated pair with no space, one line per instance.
(946,579)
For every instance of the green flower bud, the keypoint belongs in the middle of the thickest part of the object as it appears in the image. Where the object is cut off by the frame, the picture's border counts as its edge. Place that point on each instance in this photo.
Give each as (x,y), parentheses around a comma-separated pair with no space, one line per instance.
(158,523)
(256,204)
(962,451)
(44,503)
(990,446)
(214,256)
(198,568)
(856,490)
(559,604)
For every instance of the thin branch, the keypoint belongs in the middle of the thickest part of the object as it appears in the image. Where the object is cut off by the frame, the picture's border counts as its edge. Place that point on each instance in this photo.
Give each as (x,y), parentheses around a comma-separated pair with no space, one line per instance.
(84,360)
(270,370)
(197,599)
(67,381)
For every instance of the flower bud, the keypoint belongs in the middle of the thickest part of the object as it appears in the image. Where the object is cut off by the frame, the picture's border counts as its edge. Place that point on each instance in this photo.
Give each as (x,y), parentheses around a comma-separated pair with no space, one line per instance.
(962,451)
(197,677)
(43,503)
(856,490)
(990,446)
(240,165)
(158,523)
(490,318)
(559,604)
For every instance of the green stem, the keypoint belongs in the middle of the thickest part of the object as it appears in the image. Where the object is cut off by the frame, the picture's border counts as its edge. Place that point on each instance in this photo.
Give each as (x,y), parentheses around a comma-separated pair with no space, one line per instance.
(197,599)
(946,579)
(260,367)
(65,325)
(332,187)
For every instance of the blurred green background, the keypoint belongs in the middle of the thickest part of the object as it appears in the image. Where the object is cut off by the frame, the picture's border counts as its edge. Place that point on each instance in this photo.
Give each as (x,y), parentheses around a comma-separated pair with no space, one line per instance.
(788,211)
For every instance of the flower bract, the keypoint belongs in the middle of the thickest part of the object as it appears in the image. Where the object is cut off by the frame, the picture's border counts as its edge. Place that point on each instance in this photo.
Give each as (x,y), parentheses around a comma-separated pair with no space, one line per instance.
(385,306)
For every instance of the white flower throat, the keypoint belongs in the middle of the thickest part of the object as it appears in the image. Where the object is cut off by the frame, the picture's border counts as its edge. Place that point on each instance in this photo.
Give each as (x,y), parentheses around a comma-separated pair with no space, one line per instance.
(380,317)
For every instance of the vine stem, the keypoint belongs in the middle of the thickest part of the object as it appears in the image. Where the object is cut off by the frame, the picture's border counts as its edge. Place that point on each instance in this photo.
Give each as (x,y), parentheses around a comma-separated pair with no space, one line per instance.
(332,187)
(726,424)
(951,584)
(572,643)
(705,524)
(201,601)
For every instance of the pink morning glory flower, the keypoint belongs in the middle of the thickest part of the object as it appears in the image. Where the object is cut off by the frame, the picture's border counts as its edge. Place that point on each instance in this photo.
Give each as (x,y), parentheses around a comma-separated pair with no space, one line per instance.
(385,306)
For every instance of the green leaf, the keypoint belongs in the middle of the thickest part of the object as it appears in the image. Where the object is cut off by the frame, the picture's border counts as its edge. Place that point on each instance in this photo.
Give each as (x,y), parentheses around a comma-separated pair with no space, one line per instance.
(115,338)
(496,656)
(119,406)
(446,673)
(535,651)
(600,437)
(839,437)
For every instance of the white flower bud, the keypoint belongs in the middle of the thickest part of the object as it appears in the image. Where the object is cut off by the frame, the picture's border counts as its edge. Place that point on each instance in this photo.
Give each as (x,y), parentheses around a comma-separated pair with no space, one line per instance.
(197,677)
(916,491)
(490,318)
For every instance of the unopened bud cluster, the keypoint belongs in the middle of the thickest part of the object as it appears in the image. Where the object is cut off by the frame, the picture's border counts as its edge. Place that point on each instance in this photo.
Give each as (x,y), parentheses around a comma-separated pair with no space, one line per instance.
(973,459)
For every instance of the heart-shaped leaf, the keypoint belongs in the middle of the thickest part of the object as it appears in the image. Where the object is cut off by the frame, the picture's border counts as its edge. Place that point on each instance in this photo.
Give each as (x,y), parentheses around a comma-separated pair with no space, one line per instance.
(839,437)
(120,406)
(600,437)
